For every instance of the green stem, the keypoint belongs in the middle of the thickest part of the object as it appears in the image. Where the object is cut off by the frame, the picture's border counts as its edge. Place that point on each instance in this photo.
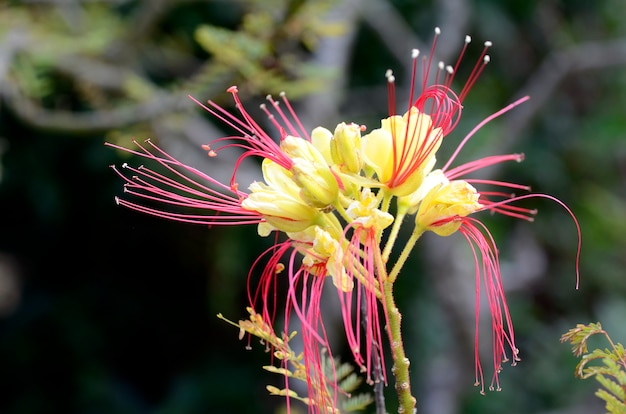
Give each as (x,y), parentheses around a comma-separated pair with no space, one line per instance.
(401,363)
(397,223)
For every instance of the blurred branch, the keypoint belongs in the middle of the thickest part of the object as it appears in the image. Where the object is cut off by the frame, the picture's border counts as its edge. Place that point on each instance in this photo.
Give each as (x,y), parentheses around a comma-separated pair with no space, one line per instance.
(105,96)
(455,16)
(89,122)
(334,53)
(543,83)
(14,41)
(398,37)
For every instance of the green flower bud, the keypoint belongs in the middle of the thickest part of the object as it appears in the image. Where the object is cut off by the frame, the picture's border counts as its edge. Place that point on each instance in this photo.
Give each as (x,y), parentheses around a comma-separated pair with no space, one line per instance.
(345,147)
(318,185)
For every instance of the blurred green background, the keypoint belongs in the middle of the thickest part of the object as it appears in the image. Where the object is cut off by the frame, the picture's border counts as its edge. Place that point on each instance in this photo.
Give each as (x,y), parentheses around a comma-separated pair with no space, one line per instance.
(103,310)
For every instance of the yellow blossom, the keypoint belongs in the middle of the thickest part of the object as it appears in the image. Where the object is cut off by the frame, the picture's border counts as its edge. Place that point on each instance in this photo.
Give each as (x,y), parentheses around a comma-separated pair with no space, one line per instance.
(444,204)
(365,212)
(279,201)
(325,249)
(401,151)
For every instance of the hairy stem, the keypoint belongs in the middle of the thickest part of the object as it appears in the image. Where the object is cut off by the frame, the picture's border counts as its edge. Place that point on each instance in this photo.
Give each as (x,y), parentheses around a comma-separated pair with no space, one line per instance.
(401,363)
(397,223)
(400,368)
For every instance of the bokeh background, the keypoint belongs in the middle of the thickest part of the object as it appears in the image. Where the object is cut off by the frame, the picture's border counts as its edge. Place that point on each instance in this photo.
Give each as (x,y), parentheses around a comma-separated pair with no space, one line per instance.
(104,310)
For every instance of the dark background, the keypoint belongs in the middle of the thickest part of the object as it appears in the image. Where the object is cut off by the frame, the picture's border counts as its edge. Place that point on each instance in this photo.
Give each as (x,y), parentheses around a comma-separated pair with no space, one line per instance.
(103,310)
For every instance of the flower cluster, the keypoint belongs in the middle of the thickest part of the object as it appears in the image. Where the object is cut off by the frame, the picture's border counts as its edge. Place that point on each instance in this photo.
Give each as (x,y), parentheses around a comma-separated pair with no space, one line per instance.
(331,194)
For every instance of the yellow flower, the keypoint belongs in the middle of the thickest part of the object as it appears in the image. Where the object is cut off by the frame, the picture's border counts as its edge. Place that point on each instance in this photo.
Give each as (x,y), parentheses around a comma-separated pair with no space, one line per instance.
(444,205)
(365,212)
(402,151)
(279,201)
(325,250)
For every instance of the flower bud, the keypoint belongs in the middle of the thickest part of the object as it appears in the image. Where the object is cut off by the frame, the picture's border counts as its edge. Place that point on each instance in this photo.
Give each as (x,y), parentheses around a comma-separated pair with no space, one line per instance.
(318,185)
(345,147)
(320,138)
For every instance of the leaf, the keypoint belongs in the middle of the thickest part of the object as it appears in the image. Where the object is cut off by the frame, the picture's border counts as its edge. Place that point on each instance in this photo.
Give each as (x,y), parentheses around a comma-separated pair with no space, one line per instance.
(611,373)
(357,403)
(613,405)
(611,386)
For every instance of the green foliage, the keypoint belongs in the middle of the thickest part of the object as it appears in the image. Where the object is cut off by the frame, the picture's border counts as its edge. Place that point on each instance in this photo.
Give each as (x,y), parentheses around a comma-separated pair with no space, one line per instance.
(268,55)
(111,62)
(347,380)
(611,373)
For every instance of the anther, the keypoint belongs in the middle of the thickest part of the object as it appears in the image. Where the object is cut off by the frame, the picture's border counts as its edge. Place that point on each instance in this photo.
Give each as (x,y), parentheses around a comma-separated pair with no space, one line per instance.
(437,31)
(441,65)
(450,69)
(415,53)
(117,200)
(486,59)
(282,94)
(468,39)
(232,89)
(488,43)
(125,165)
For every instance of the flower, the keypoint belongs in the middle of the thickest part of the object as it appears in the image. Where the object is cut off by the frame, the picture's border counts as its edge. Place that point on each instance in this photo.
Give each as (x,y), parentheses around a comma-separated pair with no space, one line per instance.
(327,196)
(401,152)
(445,205)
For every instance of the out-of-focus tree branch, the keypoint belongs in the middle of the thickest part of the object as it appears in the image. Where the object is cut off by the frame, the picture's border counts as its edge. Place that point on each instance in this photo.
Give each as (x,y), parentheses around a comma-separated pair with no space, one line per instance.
(118,92)
(556,67)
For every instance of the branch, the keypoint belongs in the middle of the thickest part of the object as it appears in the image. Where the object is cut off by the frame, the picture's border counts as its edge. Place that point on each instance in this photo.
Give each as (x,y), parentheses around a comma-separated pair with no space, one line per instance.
(546,79)
(88,122)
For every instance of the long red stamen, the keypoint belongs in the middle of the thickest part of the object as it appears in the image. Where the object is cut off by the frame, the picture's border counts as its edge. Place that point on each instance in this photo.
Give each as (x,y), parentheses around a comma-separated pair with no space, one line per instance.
(183,186)
(253,139)
(480,125)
